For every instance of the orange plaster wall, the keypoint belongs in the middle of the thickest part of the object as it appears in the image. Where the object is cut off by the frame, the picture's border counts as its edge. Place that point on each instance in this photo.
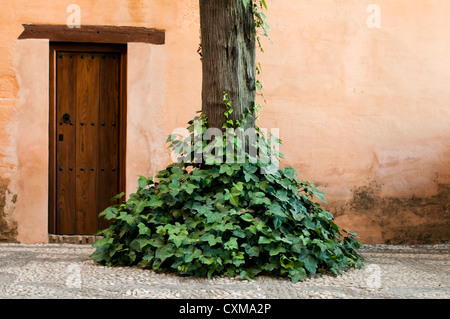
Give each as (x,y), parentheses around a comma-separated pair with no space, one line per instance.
(29,125)
(362,112)
(365,112)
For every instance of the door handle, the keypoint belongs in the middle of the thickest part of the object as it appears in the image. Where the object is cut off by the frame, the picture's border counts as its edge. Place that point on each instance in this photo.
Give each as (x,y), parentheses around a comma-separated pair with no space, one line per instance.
(66,118)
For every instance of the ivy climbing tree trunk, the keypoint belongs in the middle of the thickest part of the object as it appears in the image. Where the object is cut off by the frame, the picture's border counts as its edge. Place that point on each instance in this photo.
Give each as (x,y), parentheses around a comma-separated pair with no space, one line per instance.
(228,55)
(256,197)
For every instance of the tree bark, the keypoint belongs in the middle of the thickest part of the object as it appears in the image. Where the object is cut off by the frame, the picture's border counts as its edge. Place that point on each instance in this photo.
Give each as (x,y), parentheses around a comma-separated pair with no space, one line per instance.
(228,55)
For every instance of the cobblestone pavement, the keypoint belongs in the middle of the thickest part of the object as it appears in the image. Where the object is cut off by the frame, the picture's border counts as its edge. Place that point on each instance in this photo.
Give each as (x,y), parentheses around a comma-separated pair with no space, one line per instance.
(66,271)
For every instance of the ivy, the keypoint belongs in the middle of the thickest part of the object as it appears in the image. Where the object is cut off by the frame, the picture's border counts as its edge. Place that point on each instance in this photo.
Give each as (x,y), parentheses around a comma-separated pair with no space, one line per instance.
(226,219)
(223,210)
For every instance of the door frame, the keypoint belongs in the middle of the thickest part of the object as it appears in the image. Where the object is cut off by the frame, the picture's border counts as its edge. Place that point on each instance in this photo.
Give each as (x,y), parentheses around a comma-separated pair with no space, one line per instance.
(84,47)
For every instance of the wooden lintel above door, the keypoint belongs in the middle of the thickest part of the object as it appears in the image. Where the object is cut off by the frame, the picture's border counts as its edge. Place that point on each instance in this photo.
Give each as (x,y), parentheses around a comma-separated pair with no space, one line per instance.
(93,34)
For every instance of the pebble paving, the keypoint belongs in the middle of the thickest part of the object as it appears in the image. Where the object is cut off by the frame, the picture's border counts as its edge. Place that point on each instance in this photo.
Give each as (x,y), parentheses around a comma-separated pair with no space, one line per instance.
(66,271)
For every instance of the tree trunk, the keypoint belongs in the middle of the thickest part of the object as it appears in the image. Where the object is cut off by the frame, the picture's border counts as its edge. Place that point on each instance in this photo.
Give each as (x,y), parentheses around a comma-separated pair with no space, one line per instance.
(228,55)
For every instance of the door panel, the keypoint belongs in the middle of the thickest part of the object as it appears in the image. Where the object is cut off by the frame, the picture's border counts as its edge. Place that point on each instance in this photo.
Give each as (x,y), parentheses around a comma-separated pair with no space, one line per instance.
(87,142)
(87,156)
(109,132)
(65,142)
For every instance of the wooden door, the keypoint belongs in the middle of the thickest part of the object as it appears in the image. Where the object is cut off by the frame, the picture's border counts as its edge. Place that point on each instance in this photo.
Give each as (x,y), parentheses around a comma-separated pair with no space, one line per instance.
(87,132)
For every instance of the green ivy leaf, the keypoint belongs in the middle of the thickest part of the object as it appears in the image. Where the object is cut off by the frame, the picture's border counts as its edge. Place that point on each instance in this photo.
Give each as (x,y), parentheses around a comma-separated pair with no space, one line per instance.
(119,196)
(149,256)
(157,242)
(234,200)
(165,252)
(212,239)
(140,206)
(109,213)
(320,195)
(277,250)
(103,242)
(231,244)
(310,264)
(247,217)
(298,274)
(155,202)
(264,240)
(253,251)
(142,182)
(178,239)
(144,230)
(276,210)
(189,187)
(192,253)
(214,217)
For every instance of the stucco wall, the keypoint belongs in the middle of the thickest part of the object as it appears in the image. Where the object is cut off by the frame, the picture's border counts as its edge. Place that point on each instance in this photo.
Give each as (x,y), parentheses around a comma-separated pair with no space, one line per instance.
(363,112)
